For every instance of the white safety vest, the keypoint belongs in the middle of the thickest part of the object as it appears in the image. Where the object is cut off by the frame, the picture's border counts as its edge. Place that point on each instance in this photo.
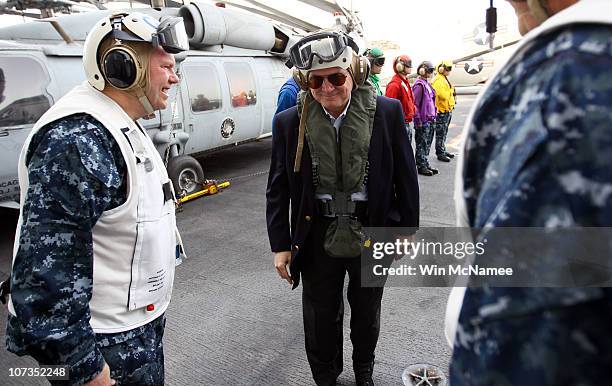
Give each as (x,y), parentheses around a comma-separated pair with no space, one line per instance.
(134,244)
(583,12)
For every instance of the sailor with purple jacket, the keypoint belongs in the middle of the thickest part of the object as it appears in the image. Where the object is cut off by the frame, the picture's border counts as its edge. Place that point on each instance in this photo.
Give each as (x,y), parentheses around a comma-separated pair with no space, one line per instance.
(424,118)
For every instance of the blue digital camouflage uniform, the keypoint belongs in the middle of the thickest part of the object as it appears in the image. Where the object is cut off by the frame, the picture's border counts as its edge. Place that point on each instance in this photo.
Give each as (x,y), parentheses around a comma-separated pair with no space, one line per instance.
(443,120)
(76,172)
(538,154)
(422,137)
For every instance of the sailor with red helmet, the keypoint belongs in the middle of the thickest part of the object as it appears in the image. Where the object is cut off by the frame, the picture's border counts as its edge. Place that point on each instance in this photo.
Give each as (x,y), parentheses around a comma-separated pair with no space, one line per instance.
(399,88)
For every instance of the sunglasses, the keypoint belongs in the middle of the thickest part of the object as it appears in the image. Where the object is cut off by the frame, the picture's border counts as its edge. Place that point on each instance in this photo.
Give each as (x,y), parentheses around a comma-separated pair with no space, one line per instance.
(337,79)
(447,68)
(379,61)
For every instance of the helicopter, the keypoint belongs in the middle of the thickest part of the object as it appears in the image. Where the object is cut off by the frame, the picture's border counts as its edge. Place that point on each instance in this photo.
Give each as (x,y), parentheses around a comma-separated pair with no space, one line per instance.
(484,57)
(227,95)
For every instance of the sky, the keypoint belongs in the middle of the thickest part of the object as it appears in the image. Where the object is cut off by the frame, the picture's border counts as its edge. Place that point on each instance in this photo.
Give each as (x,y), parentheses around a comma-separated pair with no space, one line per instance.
(436,28)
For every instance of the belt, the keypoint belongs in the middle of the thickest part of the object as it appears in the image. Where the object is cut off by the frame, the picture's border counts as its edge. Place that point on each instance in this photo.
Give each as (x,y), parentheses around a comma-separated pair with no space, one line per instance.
(357,209)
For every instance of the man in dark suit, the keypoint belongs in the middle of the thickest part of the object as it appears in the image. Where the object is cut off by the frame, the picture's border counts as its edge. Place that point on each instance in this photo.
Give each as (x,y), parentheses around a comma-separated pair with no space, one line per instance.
(341,159)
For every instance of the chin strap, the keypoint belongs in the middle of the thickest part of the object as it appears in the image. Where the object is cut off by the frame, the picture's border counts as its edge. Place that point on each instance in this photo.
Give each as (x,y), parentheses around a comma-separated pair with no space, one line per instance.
(302,129)
(144,101)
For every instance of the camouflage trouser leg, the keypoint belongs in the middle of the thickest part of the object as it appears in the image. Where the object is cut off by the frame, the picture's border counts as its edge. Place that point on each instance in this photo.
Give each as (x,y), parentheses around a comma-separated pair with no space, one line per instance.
(421,135)
(409,130)
(429,137)
(442,122)
(137,360)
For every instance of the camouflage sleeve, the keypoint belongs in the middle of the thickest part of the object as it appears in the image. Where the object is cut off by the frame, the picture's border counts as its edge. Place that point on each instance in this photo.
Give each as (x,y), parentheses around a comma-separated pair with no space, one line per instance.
(577,119)
(76,172)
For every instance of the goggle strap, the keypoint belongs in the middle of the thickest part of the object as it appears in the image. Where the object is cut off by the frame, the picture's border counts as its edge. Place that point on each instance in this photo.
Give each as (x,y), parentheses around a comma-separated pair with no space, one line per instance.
(155,41)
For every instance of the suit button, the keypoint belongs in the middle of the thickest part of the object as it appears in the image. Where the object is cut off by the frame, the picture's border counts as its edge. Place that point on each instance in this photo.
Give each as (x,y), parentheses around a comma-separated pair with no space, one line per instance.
(308,218)
(296,247)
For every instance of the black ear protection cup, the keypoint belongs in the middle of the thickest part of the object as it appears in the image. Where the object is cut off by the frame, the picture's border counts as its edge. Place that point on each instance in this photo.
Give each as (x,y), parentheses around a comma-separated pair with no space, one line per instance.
(300,79)
(121,67)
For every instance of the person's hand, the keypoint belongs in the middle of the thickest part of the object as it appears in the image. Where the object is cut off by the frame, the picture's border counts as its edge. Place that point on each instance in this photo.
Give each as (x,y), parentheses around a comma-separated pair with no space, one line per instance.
(408,239)
(103,379)
(281,261)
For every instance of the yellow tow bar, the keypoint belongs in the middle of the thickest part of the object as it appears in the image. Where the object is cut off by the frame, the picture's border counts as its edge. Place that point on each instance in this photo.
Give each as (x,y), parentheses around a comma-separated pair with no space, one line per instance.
(207,189)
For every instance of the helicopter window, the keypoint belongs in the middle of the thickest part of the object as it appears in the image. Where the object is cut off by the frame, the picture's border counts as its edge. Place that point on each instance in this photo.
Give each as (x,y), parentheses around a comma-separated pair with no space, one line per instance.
(204,90)
(22,102)
(241,84)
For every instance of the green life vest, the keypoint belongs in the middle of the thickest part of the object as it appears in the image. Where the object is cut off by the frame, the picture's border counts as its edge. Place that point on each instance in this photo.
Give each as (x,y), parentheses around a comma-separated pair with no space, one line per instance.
(340,167)
(375,80)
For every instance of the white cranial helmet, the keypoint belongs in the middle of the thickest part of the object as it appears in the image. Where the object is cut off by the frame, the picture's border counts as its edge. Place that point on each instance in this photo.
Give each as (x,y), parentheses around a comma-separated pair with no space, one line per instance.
(169,34)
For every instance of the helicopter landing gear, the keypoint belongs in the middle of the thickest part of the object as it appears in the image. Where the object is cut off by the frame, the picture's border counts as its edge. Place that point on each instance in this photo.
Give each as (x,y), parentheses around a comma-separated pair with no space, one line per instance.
(186,174)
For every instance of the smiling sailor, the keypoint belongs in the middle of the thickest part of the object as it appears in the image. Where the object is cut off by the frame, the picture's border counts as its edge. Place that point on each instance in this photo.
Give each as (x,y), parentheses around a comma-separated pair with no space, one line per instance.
(96,241)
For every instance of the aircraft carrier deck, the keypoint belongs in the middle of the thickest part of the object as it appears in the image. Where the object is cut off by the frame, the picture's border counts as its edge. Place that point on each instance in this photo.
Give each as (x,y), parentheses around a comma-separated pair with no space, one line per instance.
(233,321)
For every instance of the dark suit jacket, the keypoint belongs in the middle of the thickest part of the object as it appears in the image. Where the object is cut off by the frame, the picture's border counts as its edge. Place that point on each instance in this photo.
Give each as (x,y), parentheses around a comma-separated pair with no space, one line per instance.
(393,190)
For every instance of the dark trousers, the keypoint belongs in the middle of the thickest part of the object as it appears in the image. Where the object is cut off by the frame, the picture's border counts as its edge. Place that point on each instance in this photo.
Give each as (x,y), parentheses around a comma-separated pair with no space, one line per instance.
(323,308)
(423,136)
(442,123)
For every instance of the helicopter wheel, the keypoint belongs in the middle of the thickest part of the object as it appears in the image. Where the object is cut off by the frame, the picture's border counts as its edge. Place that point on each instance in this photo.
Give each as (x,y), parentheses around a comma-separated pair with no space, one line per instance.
(186,174)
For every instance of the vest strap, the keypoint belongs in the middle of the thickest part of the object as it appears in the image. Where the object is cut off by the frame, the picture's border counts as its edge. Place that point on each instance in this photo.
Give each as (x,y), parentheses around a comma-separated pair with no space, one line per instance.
(167,188)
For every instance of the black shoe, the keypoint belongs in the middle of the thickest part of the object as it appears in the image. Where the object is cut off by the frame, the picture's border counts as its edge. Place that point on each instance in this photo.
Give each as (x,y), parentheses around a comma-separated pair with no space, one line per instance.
(365,381)
(425,171)
(443,158)
(449,155)
(433,170)
(363,374)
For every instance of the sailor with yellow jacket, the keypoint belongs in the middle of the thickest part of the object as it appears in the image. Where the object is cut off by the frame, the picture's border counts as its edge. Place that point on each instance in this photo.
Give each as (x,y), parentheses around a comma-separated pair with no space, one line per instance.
(445,103)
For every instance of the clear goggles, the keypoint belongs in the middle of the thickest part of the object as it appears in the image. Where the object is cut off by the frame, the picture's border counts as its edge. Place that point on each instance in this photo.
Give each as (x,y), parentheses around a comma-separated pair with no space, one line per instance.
(171,35)
(327,46)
